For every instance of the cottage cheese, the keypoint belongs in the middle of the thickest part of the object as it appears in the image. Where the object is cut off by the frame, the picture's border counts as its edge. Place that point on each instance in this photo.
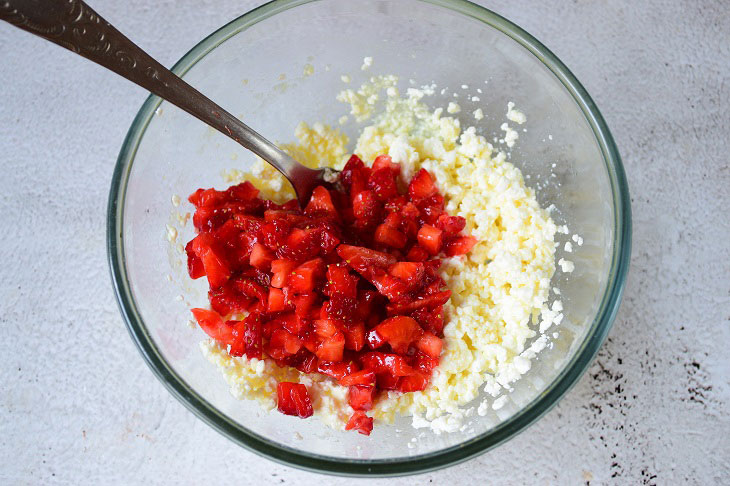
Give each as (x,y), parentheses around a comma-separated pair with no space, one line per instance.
(498,290)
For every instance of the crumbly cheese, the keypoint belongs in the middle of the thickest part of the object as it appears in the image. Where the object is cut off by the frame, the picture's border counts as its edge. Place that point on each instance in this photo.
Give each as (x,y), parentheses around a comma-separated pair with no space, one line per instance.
(515,115)
(496,289)
(453,107)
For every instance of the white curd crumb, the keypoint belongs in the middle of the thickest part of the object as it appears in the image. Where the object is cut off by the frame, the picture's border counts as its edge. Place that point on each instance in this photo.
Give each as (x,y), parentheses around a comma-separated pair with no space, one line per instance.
(366,63)
(515,115)
(345,78)
(510,136)
(578,239)
(464,86)
(392,91)
(308,70)
(475,99)
(343,119)
(478,114)
(171,233)
(453,107)
(499,402)
(175,200)
(568,247)
(566,265)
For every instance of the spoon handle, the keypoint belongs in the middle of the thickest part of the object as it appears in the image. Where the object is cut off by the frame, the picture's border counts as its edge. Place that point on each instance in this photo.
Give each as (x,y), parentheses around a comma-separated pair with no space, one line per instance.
(74,25)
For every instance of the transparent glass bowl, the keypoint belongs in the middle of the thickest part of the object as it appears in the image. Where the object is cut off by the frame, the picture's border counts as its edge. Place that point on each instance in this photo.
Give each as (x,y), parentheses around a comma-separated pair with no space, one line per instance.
(255,68)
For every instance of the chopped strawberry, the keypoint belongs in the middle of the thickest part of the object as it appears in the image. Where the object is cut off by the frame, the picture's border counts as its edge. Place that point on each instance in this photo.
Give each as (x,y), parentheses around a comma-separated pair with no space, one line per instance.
(362,377)
(421,186)
(252,335)
(281,269)
(399,332)
(227,299)
(360,422)
(214,263)
(337,370)
(303,304)
(417,254)
(261,257)
(293,399)
(321,204)
(366,206)
(414,382)
(361,396)
(354,164)
(460,245)
(432,300)
(430,319)
(363,259)
(382,183)
(282,344)
(276,302)
(325,328)
(411,273)
(213,325)
(354,336)
(451,224)
(331,348)
(386,162)
(392,363)
(389,236)
(429,344)
(430,238)
(374,339)
(304,278)
(195,264)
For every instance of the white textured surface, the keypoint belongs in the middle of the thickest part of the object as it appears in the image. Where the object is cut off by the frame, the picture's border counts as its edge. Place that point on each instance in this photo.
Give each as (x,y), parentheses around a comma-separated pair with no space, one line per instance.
(78,404)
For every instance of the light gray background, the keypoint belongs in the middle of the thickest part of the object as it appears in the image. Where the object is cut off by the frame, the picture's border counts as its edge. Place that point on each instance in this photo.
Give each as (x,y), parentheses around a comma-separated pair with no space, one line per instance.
(79,405)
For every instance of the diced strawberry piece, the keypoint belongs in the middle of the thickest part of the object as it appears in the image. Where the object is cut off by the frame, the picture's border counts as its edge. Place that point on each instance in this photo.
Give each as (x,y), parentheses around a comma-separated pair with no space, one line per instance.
(409,272)
(386,381)
(328,241)
(341,307)
(276,302)
(215,265)
(384,362)
(281,269)
(250,288)
(321,204)
(389,236)
(252,335)
(303,304)
(304,361)
(399,332)
(337,370)
(432,300)
(361,396)
(325,328)
(226,300)
(261,257)
(460,245)
(367,300)
(430,238)
(195,264)
(451,224)
(382,183)
(421,186)
(332,348)
(360,422)
(417,254)
(354,336)
(340,281)
(362,377)
(213,325)
(363,259)
(431,320)
(274,233)
(282,344)
(386,162)
(429,344)
(389,286)
(425,363)
(244,191)
(293,399)
(304,278)
(375,340)
(397,204)
(415,382)
(301,244)
(366,206)
(207,198)
(293,323)
(237,345)
(354,164)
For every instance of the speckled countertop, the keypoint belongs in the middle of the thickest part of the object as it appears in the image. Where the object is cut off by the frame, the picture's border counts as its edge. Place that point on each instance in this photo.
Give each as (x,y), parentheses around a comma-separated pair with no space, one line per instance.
(79,405)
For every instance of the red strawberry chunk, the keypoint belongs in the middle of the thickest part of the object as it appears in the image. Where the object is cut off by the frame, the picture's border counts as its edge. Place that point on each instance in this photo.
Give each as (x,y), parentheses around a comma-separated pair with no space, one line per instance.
(383,362)
(213,325)
(382,182)
(276,302)
(321,204)
(411,273)
(421,186)
(331,348)
(460,245)
(451,224)
(429,344)
(399,332)
(389,236)
(432,300)
(304,278)
(364,259)
(252,335)
(386,162)
(195,264)
(360,422)
(354,336)
(417,254)
(354,164)
(415,382)
(293,399)
(366,206)
(281,269)
(214,263)
(430,238)
(282,344)
(361,396)
(362,377)
(336,370)
(261,257)
(227,299)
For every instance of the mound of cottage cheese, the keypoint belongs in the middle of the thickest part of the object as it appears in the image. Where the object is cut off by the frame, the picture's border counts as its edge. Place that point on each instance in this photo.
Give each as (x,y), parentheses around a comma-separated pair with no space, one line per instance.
(499,290)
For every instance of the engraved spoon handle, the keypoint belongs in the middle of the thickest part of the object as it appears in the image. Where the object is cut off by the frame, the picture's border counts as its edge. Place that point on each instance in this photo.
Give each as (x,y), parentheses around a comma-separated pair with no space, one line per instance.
(74,25)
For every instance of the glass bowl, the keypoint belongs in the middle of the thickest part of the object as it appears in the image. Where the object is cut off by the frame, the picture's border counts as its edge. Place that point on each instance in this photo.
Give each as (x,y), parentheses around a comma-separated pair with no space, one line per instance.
(259,67)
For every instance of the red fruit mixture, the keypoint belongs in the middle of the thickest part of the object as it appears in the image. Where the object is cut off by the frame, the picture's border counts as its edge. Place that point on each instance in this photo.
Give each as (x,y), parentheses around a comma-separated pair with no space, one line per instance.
(348,287)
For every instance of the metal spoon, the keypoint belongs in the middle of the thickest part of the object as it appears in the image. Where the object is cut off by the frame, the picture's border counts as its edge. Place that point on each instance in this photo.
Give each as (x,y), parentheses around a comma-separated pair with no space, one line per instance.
(74,25)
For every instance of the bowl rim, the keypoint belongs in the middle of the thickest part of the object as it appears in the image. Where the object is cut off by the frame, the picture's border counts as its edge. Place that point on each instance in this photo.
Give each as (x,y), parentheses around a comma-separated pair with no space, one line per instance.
(380,467)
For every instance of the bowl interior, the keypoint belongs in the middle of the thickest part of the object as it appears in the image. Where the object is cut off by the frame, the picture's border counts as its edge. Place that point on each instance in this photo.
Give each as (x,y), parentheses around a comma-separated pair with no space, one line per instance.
(255,68)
